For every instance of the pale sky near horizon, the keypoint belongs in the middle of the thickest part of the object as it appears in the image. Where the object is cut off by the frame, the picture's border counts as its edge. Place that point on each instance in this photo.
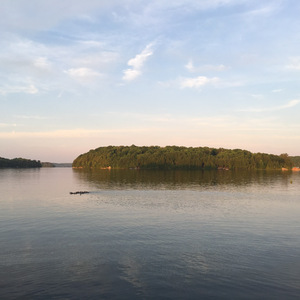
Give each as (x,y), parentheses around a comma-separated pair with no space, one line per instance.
(77,75)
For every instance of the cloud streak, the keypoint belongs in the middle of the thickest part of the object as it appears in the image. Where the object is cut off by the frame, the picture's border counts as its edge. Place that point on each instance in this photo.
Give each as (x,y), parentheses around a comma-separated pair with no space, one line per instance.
(29,89)
(294,64)
(197,82)
(290,104)
(136,64)
(192,68)
(83,74)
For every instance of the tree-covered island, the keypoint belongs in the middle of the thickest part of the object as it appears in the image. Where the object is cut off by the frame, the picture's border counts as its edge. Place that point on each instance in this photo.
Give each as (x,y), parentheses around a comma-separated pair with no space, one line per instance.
(19,163)
(175,157)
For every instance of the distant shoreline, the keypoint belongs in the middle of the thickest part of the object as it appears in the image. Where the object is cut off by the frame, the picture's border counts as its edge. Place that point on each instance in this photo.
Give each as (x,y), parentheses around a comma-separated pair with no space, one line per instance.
(24,163)
(19,163)
(179,157)
(56,165)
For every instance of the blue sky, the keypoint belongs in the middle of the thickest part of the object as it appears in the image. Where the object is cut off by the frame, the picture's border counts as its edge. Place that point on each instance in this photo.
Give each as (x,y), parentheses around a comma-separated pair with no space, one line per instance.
(76,75)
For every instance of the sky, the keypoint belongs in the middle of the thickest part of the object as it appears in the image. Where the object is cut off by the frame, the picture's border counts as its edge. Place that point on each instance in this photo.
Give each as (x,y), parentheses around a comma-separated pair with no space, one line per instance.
(76,75)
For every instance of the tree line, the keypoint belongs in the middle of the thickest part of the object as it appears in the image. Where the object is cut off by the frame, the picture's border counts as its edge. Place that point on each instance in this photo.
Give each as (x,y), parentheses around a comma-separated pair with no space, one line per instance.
(295,160)
(19,163)
(176,157)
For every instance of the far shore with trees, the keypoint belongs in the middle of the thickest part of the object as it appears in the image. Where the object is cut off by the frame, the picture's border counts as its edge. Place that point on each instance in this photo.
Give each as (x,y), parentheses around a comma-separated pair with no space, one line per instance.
(19,163)
(176,157)
(29,163)
(167,158)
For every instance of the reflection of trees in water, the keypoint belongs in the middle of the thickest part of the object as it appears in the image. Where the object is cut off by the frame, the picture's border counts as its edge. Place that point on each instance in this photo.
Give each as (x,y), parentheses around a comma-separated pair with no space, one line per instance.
(178,179)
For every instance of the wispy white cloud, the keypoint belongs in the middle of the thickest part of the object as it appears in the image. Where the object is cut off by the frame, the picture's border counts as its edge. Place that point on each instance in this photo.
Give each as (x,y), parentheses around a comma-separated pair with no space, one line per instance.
(83,74)
(50,13)
(95,58)
(294,64)
(140,59)
(28,89)
(197,82)
(173,121)
(290,104)
(263,11)
(224,122)
(192,5)
(42,63)
(48,63)
(131,74)
(136,64)
(31,117)
(5,125)
(257,96)
(192,68)
(71,133)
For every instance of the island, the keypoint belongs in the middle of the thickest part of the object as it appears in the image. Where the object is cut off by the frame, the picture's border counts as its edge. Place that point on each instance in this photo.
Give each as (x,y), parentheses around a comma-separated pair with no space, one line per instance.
(19,163)
(179,157)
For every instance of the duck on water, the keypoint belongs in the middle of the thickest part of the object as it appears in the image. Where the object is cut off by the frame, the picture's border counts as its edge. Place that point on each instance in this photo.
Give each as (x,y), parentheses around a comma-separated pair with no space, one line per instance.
(79,193)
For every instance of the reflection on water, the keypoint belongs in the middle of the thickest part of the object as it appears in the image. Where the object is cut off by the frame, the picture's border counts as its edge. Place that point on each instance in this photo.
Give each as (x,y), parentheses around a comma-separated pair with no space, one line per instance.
(183,179)
(149,234)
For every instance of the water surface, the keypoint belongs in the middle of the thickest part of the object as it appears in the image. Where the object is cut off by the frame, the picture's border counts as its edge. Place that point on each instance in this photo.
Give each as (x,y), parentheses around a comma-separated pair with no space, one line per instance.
(149,234)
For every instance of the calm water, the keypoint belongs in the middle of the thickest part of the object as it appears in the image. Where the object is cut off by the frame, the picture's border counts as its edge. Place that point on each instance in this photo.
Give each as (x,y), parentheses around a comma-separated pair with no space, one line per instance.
(149,235)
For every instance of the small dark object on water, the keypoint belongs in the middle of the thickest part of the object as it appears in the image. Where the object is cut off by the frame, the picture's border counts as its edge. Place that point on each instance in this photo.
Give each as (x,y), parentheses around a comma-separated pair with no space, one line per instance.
(79,192)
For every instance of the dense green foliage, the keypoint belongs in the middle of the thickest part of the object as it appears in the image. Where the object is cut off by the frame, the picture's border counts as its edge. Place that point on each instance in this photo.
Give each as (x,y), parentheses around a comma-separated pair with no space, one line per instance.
(19,163)
(174,157)
(295,160)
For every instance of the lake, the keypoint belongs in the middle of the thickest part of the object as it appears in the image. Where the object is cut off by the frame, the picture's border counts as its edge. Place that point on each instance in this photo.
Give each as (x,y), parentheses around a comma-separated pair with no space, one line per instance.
(149,234)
